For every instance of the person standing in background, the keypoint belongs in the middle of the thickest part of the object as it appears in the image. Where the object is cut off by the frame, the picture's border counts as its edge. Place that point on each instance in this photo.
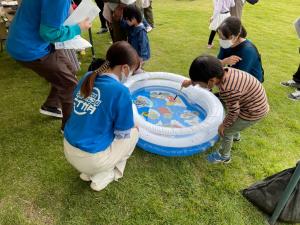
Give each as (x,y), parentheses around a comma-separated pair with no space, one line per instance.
(148,13)
(142,5)
(113,12)
(221,12)
(36,26)
(237,10)
(103,28)
(295,82)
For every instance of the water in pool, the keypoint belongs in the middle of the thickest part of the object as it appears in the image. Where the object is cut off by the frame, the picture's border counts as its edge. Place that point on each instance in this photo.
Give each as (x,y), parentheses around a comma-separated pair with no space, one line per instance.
(157,105)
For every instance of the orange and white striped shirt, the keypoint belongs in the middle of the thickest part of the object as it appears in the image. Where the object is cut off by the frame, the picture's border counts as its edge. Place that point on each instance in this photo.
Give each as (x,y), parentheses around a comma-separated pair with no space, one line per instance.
(244,96)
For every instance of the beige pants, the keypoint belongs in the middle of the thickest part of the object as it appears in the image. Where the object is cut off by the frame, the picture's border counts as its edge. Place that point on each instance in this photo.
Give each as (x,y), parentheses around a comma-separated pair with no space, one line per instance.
(105,166)
(237,10)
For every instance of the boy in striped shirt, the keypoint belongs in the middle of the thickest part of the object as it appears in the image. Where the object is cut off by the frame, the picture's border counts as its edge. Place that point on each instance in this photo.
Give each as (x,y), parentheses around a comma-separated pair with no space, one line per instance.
(243,95)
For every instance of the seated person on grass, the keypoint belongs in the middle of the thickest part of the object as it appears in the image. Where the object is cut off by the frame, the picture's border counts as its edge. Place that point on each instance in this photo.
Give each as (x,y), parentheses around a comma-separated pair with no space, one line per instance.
(243,94)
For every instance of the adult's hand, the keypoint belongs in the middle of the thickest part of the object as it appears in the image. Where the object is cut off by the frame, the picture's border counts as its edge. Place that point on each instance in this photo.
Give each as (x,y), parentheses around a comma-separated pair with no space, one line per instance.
(85,24)
(186,83)
(232,60)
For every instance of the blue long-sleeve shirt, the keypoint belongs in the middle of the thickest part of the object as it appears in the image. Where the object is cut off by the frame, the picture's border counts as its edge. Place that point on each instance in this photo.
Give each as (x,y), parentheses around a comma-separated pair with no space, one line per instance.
(36,25)
(138,39)
(250,62)
(64,33)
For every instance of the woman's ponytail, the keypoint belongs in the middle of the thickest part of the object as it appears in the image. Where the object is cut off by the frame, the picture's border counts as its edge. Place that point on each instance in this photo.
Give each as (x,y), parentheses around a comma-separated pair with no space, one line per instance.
(88,83)
(120,53)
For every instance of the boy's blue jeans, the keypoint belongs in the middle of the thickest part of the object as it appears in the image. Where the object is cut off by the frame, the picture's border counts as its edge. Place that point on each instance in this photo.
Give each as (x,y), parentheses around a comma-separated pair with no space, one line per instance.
(233,132)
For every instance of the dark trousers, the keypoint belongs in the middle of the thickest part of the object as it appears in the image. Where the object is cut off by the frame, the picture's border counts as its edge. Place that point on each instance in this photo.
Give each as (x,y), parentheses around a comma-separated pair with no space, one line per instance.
(100,4)
(117,32)
(61,74)
(148,13)
(296,76)
(211,37)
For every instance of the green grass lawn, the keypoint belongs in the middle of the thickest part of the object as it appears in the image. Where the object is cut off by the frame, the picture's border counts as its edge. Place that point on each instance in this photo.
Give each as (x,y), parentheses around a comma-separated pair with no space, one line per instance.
(38,186)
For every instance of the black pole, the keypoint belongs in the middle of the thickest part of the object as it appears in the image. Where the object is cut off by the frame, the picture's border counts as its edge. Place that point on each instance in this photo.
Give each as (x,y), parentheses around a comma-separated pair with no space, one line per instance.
(92,43)
(285,195)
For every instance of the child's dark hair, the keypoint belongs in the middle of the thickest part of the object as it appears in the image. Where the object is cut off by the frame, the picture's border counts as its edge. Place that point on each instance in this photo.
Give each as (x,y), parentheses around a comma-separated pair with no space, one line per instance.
(132,12)
(206,67)
(232,26)
(120,53)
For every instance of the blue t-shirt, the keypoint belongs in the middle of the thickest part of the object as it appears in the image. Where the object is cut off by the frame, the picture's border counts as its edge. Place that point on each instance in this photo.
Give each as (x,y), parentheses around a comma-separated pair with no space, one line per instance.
(24,42)
(250,62)
(94,120)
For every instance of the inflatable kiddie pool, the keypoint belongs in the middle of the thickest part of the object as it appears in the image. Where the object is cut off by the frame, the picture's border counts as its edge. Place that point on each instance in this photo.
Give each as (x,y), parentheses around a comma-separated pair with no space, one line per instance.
(181,127)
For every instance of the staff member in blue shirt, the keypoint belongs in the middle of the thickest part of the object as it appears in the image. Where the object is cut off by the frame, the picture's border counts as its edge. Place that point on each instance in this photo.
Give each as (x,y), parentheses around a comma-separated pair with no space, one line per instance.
(238,52)
(38,24)
(100,134)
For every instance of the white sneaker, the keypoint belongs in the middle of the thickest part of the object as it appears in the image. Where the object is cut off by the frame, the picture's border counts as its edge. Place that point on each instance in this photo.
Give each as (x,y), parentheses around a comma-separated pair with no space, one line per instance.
(149,28)
(106,181)
(295,96)
(290,83)
(85,177)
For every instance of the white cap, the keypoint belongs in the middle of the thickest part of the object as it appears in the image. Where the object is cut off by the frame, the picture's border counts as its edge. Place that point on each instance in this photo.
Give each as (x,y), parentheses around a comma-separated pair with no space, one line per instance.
(127,2)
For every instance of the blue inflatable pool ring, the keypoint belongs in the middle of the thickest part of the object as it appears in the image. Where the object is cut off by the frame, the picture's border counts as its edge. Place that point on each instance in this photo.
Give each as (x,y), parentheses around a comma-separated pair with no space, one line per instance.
(169,126)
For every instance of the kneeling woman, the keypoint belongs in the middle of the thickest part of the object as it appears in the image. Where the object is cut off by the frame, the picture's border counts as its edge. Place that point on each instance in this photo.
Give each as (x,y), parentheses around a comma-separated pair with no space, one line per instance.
(238,52)
(100,135)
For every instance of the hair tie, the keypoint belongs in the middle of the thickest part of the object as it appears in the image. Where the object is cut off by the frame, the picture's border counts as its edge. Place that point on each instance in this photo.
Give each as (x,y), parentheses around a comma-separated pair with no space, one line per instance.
(103,68)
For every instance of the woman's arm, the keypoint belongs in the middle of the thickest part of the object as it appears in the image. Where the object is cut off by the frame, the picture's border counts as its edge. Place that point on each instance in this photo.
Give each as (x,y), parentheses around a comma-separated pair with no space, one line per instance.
(64,33)
(123,119)
(61,34)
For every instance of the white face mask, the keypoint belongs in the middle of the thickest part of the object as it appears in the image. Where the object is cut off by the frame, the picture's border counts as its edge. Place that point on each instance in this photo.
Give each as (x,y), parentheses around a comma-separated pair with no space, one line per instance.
(225,43)
(124,78)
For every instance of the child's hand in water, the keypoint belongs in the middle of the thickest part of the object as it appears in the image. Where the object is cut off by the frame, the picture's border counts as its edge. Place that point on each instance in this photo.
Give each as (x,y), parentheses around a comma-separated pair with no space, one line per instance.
(186,83)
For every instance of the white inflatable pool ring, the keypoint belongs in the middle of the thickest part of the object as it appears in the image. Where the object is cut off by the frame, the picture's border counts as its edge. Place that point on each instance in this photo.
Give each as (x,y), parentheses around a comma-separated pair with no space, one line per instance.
(177,141)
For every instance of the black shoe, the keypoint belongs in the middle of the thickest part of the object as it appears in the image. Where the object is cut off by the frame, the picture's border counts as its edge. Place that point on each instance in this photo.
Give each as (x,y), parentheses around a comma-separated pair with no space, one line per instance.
(51,111)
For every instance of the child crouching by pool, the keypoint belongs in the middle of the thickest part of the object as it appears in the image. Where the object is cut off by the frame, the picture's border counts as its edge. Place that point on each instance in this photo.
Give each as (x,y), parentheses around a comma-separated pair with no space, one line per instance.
(100,135)
(243,95)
